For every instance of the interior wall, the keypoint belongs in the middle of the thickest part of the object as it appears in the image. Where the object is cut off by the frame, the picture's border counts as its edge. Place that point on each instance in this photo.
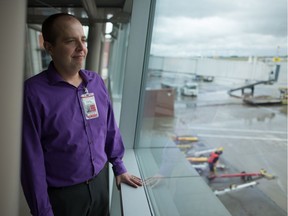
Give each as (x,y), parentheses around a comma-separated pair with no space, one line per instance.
(12,21)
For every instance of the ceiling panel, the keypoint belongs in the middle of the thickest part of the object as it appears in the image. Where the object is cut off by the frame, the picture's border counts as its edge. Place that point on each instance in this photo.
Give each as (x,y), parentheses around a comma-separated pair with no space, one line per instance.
(38,10)
(54,3)
(74,3)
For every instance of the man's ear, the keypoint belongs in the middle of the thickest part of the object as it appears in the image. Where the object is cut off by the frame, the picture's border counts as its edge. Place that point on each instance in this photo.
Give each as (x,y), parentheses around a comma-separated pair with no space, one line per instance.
(48,47)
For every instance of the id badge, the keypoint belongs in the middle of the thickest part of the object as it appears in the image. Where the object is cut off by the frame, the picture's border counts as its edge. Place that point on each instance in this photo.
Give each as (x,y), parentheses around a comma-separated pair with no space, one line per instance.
(89,105)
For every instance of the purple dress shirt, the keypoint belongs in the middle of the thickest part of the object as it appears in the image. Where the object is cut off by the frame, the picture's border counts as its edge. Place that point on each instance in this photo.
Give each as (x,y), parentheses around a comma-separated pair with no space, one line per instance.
(60,147)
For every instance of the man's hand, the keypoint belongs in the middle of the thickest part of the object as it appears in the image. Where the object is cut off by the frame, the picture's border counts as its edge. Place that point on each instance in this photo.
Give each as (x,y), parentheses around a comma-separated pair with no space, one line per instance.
(128,179)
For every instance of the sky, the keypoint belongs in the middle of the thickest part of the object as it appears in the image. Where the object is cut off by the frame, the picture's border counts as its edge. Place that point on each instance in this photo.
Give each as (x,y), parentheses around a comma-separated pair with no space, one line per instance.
(220,28)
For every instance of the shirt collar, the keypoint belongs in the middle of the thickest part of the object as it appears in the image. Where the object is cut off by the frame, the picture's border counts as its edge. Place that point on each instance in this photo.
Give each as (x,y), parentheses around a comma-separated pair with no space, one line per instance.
(54,77)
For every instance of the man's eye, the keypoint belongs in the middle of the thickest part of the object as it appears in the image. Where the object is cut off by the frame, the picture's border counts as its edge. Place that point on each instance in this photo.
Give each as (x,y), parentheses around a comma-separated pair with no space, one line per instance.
(70,41)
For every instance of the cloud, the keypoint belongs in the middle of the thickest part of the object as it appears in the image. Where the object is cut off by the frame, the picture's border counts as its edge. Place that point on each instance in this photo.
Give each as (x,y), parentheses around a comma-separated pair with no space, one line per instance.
(189,28)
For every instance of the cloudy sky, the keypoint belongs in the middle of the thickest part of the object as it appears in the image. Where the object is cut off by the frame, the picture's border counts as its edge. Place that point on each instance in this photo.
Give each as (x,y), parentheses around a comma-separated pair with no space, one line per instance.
(220,28)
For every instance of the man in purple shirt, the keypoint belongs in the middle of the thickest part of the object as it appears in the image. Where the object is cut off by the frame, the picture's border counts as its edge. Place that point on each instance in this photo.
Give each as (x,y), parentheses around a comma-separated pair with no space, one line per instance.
(69,131)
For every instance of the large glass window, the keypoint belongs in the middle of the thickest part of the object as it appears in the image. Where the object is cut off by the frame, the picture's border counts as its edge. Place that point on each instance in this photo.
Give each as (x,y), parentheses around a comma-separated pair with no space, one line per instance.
(217,78)
(117,51)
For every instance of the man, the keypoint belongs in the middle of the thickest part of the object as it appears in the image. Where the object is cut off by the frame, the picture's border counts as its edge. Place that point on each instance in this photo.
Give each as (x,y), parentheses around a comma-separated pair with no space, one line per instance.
(212,161)
(69,131)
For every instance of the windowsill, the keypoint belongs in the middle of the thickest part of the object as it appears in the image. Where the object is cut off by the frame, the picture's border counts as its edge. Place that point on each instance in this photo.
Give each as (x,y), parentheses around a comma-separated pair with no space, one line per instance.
(195,195)
(134,200)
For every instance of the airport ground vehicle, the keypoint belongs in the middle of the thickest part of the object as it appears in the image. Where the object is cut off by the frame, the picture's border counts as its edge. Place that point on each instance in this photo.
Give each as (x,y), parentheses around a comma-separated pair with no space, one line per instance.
(190,89)
(208,78)
(244,176)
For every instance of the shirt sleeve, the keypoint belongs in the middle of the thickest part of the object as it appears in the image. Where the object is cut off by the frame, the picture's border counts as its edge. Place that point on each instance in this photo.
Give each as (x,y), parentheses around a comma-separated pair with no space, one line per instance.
(114,144)
(33,176)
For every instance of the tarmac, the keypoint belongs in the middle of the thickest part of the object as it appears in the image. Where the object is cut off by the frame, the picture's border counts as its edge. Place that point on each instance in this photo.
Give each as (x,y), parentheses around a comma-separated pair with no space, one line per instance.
(253,137)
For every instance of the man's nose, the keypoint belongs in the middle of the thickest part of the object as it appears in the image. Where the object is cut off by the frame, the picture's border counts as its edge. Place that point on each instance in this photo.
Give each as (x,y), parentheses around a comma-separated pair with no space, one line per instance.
(81,45)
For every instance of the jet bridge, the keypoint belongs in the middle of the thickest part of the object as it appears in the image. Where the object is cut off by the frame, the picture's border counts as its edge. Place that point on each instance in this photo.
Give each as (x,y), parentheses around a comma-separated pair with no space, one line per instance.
(249,97)
(248,86)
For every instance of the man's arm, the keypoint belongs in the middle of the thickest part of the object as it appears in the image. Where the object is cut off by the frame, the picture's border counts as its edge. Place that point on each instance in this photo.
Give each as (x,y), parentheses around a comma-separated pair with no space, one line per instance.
(33,176)
(115,152)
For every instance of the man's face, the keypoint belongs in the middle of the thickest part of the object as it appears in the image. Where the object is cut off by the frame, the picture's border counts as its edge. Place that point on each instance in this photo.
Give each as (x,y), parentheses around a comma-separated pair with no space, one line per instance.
(69,50)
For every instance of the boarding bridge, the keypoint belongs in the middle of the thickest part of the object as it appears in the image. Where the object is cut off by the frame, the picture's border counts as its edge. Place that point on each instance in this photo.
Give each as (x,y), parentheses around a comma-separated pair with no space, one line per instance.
(251,86)
(225,68)
(252,73)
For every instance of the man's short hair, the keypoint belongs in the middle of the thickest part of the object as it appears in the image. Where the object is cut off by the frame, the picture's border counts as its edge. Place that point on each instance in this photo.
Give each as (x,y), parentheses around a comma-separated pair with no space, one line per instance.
(48,31)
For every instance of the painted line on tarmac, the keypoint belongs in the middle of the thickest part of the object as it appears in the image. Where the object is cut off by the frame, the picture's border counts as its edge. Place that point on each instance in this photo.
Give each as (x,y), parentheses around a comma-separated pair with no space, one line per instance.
(242,137)
(237,130)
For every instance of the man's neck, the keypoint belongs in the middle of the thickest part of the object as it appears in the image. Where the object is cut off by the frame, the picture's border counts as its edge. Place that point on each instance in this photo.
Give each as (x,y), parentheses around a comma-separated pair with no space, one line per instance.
(72,76)
(74,80)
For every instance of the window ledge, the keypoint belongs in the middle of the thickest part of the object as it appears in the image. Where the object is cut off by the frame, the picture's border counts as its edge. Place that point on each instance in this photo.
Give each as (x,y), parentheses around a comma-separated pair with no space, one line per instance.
(133,200)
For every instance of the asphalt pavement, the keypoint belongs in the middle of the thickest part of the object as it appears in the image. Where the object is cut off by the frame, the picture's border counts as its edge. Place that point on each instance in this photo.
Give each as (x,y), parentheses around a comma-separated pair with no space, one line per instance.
(253,138)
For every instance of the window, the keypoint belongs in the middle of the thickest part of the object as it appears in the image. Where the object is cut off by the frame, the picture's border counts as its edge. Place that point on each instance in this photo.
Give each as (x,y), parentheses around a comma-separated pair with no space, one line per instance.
(45,57)
(219,46)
